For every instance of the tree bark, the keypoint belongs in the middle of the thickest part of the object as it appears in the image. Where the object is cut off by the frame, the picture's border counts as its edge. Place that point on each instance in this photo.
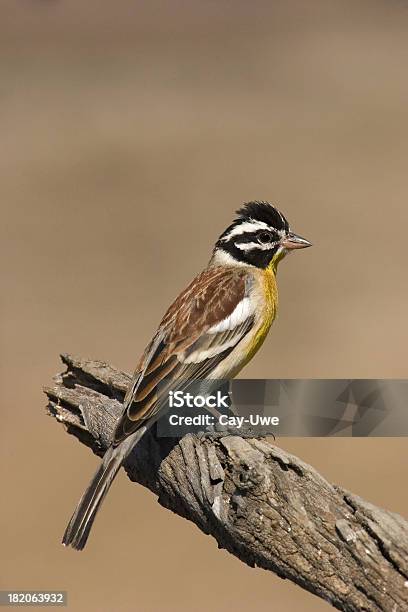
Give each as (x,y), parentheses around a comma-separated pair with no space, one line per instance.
(263,505)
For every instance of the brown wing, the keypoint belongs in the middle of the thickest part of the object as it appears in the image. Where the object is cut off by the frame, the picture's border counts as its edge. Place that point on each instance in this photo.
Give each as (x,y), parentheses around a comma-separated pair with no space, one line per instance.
(202,326)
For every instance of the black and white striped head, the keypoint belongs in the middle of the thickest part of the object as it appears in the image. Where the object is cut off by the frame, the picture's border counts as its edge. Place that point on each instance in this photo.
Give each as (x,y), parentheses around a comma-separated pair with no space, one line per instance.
(260,236)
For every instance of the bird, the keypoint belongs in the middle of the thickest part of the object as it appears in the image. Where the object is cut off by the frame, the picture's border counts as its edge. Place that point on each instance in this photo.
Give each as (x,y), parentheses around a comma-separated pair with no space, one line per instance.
(211,331)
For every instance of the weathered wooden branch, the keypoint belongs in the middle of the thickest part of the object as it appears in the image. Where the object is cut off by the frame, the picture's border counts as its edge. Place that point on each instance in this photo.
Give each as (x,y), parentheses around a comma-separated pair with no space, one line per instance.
(263,505)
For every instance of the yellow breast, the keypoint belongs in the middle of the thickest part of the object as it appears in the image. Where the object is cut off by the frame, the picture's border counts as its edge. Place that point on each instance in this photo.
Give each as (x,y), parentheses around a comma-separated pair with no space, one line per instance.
(270,294)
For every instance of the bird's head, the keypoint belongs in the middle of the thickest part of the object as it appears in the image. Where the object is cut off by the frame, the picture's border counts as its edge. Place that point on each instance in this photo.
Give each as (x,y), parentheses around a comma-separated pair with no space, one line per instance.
(260,236)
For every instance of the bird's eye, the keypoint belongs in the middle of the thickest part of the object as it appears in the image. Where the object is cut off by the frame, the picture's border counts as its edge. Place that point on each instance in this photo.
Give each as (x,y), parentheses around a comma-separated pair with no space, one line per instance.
(265,237)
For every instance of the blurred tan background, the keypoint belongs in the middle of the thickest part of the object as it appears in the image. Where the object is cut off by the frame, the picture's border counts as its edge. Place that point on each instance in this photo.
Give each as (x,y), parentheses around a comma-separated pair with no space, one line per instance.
(130,132)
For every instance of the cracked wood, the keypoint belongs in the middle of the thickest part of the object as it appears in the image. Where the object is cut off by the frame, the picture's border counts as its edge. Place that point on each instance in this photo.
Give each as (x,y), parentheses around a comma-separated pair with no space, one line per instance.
(263,505)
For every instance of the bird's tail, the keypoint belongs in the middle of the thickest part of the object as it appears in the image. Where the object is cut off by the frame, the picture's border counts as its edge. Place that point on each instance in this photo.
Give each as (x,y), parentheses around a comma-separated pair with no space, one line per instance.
(77,531)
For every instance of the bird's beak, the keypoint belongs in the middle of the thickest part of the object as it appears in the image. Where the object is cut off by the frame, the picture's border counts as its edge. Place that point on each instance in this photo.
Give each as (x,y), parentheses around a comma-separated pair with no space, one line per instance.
(293,241)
